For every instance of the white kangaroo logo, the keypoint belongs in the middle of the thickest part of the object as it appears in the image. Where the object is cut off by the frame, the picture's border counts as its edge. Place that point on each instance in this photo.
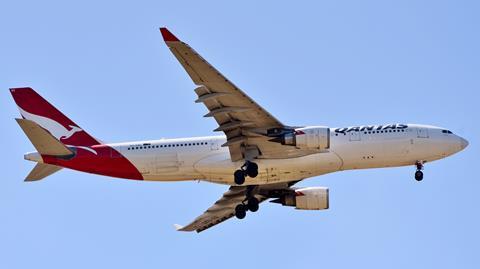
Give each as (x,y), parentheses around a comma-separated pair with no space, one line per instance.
(55,128)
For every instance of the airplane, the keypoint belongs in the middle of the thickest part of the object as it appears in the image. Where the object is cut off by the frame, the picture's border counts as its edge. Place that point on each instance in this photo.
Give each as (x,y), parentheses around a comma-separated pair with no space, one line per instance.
(258,157)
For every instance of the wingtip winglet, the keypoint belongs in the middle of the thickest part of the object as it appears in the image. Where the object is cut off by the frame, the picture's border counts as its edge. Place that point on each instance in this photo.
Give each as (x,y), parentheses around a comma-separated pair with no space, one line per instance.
(168,36)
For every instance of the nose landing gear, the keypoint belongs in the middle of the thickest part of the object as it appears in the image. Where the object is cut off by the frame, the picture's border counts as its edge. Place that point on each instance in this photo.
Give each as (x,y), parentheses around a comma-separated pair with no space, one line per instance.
(419,173)
(248,169)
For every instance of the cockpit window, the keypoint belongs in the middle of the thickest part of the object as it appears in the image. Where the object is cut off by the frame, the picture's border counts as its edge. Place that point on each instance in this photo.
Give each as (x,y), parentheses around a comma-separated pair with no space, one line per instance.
(446,132)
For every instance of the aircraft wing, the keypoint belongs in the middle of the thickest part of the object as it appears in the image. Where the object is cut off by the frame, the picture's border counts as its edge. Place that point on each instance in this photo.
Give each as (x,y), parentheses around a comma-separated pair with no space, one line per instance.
(224,208)
(244,122)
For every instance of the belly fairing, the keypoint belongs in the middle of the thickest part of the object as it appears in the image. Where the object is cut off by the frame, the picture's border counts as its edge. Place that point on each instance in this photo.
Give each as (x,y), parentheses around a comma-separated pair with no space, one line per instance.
(219,168)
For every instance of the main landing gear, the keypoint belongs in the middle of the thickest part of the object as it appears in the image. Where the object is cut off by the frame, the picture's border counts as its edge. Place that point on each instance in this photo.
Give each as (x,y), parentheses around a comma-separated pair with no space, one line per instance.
(248,169)
(419,173)
(250,203)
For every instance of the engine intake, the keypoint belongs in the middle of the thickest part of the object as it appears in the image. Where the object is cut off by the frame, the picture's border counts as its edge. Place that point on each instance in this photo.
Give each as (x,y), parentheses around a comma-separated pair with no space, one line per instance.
(311,198)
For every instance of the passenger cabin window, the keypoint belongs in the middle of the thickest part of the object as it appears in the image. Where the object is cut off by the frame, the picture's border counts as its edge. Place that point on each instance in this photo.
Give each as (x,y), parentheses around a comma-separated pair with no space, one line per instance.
(149,146)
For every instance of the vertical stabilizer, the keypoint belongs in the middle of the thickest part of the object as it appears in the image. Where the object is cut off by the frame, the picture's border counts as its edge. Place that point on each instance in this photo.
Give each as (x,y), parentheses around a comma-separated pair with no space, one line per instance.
(34,108)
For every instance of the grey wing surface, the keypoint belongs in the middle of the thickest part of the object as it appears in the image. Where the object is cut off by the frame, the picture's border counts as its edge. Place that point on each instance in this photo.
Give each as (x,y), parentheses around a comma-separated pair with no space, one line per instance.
(245,123)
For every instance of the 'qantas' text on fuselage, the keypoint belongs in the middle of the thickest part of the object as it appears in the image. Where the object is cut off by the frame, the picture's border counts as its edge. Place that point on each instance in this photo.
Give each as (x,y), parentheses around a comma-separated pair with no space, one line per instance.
(371,128)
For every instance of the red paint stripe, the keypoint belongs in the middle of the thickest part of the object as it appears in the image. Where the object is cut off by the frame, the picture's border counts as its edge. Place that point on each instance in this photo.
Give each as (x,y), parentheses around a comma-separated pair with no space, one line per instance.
(299,193)
(107,162)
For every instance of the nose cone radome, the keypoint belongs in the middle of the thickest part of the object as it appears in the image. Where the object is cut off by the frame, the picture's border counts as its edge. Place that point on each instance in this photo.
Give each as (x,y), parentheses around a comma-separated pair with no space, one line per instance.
(463,143)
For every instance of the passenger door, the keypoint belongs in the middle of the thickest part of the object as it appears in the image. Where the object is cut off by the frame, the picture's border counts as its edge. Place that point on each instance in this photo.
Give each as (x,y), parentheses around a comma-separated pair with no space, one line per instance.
(214,145)
(422,133)
(167,162)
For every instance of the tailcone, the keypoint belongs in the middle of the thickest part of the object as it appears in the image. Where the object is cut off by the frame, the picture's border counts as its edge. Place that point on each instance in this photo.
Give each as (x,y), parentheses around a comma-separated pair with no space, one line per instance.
(33,156)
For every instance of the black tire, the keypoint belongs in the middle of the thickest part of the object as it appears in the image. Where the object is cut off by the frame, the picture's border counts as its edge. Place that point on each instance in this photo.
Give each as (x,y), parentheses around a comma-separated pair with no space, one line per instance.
(239,177)
(253,204)
(418,175)
(252,169)
(240,211)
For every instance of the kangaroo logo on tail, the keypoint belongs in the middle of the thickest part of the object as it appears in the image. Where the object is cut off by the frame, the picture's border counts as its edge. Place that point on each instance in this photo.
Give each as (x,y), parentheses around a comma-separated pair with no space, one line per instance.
(71,132)
(55,128)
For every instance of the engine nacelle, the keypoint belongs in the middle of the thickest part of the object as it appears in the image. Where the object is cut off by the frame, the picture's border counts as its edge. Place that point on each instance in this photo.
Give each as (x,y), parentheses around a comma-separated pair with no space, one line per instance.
(311,198)
(313,137)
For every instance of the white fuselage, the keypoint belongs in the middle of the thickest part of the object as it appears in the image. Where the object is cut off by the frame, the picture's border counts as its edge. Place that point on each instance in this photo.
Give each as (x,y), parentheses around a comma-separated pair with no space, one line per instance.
(203,158)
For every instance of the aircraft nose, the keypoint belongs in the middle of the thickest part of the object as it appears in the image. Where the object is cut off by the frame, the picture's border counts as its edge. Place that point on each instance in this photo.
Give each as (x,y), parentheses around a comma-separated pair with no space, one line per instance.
(463,143)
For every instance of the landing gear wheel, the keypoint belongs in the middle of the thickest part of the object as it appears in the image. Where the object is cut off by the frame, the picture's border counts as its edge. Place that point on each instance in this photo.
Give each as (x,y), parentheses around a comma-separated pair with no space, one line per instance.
(418,175)
(253,204)
(240,211)
(251,169)
(239,177)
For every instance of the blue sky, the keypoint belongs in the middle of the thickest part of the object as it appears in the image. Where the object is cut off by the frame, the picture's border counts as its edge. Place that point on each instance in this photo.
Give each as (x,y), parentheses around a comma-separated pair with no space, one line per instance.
(334,63)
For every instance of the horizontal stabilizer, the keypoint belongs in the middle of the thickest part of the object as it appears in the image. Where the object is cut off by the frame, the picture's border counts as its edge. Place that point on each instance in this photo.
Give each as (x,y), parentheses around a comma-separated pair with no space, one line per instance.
(42,170)
(42,140)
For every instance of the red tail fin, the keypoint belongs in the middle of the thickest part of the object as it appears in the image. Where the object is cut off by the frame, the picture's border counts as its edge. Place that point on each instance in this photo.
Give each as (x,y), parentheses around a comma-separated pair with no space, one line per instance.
(33,107)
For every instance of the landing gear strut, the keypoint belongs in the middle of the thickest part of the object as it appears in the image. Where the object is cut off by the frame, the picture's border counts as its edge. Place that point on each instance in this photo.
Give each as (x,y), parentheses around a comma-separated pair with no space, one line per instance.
(248,169)
(419,173)
(251,204)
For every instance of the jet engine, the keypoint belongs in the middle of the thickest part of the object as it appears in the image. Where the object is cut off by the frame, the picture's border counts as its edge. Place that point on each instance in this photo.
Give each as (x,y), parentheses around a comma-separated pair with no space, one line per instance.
(311,198)
(313,137)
